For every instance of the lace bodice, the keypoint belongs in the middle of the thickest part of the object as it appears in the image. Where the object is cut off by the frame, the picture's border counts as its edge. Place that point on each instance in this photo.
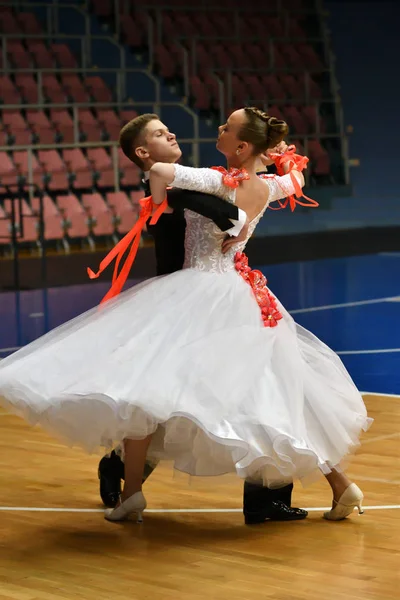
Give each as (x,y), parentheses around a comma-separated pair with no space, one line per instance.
(204,239)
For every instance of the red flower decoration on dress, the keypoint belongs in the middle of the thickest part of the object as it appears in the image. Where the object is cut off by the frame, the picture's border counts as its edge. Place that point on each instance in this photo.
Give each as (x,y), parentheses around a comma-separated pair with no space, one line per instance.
(258,283)
(233,177)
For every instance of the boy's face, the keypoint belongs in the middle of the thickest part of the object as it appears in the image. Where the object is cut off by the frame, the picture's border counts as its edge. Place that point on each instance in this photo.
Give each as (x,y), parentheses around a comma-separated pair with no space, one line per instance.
(159,144)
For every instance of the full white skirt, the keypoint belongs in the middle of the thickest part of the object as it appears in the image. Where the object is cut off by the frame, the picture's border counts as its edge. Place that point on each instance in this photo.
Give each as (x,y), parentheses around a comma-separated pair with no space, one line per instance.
(186,356)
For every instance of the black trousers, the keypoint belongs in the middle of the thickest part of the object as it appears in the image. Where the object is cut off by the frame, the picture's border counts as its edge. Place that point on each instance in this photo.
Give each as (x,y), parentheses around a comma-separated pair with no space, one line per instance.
(256,497)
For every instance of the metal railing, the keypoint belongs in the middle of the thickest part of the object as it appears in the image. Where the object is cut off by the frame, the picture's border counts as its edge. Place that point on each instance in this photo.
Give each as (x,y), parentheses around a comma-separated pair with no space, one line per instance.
(52,26)
(121,75)
(127,5)
(17,218)
(191,64)
(156,107)
(189,60)
(225,90)
(16,221)
(236,13)
(53,8)
(195,7)
(227,93)
(114,145)
(85,42)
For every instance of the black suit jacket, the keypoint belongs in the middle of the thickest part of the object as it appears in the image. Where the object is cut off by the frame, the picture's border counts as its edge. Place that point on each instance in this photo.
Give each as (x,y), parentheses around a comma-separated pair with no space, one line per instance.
(169,231)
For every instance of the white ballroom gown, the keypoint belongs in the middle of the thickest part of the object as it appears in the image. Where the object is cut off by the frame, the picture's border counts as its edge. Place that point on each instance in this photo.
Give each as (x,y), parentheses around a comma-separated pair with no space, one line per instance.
(187,356)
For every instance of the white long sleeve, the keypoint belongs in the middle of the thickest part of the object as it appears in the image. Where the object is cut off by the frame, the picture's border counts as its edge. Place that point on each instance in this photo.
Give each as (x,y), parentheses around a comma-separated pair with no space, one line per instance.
(280,186)
(209,181)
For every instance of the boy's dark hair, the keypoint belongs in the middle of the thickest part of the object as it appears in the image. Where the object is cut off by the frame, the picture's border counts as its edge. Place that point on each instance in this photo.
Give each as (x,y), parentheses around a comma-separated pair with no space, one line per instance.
(131,136)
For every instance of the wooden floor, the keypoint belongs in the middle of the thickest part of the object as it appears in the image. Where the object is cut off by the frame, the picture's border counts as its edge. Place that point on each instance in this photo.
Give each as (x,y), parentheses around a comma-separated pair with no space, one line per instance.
(55,555)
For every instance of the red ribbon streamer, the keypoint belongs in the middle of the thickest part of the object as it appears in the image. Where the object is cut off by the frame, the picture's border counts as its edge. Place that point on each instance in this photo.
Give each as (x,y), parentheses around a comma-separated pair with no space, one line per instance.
(295,161)
(132,238)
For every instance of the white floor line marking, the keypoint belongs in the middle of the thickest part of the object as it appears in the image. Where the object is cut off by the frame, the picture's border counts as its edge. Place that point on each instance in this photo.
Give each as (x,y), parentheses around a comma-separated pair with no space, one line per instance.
(170,510)
(377,351)
(380,438)
(374,351)
(375,480)
(345,305)
(306,310)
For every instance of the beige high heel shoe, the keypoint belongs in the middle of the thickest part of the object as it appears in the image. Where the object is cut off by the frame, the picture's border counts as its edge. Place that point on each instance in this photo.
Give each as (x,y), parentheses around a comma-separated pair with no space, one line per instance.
(135,504)
(351,497)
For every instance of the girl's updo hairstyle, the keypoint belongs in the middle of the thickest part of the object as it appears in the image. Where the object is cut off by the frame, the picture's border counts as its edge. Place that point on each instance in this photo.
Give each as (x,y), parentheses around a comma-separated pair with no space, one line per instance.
(262,130)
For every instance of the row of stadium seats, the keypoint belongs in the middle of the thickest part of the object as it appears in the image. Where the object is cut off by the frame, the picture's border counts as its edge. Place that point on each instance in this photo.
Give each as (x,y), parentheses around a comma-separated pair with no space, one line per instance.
(67,216)
(214,54)
(35,53)
(75,169)
(56,88)
(26,126)
(224,10)
(69,169)
(60,87)
(36,127)
(56,125)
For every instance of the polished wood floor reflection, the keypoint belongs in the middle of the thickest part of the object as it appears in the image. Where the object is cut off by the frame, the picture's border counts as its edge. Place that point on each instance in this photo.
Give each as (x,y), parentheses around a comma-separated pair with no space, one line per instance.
(57,555)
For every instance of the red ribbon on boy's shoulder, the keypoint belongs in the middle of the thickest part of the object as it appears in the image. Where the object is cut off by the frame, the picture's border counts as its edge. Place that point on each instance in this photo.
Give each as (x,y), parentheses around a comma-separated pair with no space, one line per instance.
(148,211)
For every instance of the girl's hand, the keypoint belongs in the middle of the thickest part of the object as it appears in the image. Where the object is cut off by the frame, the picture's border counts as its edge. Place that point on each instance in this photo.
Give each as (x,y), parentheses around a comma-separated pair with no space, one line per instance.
(265,157)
